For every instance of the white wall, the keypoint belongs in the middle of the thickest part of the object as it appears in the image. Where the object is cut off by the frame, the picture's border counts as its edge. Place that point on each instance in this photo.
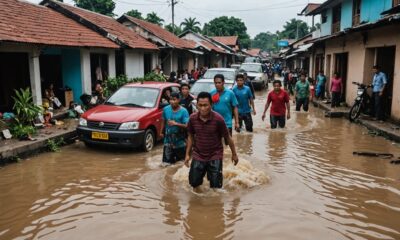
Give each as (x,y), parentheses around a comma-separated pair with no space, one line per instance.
(85,71)
(34,73)
(134,63)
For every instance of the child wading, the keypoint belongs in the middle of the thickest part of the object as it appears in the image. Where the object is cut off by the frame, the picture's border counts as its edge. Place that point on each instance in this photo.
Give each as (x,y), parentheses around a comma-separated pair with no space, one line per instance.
(206,129)
(245,98)
(280,103)
(174,119)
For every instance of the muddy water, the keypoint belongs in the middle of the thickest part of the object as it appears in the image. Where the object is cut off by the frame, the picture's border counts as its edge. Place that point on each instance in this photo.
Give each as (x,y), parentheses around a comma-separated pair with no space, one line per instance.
(298,183)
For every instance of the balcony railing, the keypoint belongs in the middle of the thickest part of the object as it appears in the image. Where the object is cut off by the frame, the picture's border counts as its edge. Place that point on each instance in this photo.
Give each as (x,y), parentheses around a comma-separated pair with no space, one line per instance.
(335,27)
(356,19)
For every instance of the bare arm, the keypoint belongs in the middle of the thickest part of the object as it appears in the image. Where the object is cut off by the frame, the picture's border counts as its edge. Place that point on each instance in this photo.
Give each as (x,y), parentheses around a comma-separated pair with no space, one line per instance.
(162,128)
(253,107)
(288,110)
(231,144)
(188,149)
(236,114)
(265,109)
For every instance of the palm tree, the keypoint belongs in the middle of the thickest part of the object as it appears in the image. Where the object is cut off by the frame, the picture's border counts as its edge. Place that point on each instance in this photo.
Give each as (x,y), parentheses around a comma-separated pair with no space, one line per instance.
(191,24)
(154,18)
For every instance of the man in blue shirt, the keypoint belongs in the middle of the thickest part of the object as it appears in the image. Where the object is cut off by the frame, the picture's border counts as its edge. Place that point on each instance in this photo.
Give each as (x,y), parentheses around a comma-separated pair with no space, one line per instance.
(174,120)
(379,82)
(224,102)
(245,98)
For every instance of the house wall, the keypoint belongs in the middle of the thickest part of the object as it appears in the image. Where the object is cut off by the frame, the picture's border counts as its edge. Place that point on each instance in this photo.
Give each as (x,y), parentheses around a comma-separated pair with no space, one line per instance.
(346,20)
(71,71)
(134,63)
(361,58)
(371,9)
(86,76)
(326,28)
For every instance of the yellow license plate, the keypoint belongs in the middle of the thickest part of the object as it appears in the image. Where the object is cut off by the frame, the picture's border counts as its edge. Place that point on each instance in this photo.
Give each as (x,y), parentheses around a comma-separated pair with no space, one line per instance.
(99,135)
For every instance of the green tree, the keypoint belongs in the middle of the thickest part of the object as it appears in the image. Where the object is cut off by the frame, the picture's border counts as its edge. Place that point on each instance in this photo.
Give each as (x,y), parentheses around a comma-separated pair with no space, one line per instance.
(293,29)
(228,26)
(134,13)
(191,24)
(154,18)
(177,30)
(105,7)
(267,41)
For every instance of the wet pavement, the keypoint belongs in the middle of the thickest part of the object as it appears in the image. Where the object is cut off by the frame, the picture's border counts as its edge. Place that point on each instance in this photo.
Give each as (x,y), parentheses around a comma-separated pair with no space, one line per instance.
(301,182)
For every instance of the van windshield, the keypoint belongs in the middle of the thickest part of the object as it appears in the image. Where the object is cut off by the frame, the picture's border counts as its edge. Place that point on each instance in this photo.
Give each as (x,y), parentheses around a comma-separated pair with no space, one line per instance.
(134,97)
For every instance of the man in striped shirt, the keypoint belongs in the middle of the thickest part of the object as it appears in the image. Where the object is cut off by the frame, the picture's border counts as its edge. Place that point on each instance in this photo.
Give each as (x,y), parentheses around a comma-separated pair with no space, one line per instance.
(206,129)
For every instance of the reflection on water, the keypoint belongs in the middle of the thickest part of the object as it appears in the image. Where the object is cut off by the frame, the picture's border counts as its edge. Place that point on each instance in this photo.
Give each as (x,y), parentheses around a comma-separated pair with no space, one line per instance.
(301,182)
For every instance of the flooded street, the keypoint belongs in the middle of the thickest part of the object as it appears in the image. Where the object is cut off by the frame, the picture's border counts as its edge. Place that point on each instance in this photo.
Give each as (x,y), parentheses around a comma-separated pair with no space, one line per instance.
(301,182)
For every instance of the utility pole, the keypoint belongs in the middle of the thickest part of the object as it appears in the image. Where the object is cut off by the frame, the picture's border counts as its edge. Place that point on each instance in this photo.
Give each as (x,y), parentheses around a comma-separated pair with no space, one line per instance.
(173,3)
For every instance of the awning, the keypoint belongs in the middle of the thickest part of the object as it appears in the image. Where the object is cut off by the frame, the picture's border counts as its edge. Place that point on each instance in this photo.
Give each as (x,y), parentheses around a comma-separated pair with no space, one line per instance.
(196,52)
(304,48)
(290,56)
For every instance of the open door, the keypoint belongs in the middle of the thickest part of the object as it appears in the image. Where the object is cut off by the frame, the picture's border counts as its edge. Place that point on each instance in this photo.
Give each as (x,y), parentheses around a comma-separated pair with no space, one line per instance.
(385,58)
(341,63)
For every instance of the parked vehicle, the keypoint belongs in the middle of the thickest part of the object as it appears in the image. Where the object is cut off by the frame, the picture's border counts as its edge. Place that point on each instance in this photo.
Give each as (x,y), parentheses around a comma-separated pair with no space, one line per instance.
(131,117)
(252,60)
(257,73)
(235,66)
(206,85)
(361,103)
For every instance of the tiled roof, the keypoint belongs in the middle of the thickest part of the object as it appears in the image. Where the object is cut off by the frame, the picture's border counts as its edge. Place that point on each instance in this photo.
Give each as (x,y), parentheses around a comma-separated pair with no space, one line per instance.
(227,40)
(212,47)
(109,24)
(159,32)
(254,52)
(30,23)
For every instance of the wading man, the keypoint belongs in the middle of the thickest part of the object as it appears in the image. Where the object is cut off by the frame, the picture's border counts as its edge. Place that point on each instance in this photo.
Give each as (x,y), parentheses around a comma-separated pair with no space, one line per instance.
(302,93)
(245,98)
(206,129)
(225,102)
(378,87)
(280,103)
(174,119)
(186,99)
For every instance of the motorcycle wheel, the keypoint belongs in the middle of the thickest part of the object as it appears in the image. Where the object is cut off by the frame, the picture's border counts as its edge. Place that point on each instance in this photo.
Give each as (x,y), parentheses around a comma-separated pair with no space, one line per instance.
(355,112)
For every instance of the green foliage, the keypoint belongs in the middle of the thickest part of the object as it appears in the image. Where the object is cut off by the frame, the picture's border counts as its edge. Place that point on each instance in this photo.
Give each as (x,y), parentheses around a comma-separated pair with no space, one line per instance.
(113,84)
(191,24)
(228,26)
(135,13)
(105,7)
(26,111)
(177,30)
(154,18)
(54,145)
(291,27)
(21,131)
(267,41)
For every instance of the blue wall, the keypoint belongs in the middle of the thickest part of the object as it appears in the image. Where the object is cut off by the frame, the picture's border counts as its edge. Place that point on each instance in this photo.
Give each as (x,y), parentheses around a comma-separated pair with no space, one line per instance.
(371,9)
(326,28)
(346,20)
(71,71)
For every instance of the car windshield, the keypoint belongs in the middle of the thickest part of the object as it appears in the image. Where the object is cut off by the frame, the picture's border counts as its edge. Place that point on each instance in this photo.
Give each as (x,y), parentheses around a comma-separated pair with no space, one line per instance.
(251,68)
(134,97)
(202,87)
(211,73)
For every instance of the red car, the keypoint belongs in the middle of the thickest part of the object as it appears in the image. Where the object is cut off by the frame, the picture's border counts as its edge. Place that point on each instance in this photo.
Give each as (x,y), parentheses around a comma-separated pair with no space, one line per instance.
(131,117)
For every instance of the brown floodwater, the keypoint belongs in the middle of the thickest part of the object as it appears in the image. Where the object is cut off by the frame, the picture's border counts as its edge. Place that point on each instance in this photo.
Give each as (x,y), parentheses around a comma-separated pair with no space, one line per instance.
(301,182)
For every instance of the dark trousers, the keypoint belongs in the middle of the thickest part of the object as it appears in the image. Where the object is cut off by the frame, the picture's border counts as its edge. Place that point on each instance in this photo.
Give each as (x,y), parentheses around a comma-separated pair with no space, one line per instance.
(275,120)
(378,106)
(248,121)
(302,102)
(335,99)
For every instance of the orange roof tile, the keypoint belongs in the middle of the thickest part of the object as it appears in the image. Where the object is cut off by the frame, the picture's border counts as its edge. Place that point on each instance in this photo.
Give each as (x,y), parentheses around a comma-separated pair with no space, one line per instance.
(159,32)
(212,47)
(109,24)
(30,23)
(227,40)
(254,52)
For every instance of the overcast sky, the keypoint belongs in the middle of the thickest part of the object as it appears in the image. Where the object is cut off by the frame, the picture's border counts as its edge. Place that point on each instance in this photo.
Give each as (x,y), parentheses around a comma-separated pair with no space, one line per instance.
(258,15)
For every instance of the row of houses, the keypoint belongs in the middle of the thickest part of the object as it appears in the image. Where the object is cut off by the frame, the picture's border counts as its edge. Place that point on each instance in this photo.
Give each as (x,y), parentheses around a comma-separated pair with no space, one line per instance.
(57,43)
(354,36)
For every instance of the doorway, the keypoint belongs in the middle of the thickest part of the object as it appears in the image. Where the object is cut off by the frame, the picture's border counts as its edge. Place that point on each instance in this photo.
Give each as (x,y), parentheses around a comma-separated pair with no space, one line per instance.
(385,58)
(341,65)
(147,63)
(51,73)
(98,67)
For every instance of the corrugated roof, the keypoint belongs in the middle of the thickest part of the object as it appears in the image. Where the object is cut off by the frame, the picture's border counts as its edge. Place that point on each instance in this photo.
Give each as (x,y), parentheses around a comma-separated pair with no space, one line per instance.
(119,32)
(30,23)
(159,32)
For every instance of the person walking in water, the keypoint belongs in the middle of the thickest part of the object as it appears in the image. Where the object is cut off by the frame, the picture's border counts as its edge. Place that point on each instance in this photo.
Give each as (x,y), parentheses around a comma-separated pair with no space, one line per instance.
(174,119)
(245,98)
(225,102)
(321,83)
(336,90)
(302,93)
(280,104)
(379,83)
(206,129)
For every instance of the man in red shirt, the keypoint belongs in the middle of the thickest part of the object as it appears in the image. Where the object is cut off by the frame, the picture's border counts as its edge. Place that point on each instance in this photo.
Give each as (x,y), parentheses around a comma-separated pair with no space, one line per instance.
(206,129)
(280,102)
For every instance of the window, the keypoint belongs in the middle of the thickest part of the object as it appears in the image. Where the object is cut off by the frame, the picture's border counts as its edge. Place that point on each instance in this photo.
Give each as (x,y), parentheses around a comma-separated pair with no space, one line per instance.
(337,15)
(356,12)
(324,17)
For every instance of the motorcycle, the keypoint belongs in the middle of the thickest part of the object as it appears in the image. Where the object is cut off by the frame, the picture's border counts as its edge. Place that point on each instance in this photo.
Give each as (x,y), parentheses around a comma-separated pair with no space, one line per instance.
(361,103)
